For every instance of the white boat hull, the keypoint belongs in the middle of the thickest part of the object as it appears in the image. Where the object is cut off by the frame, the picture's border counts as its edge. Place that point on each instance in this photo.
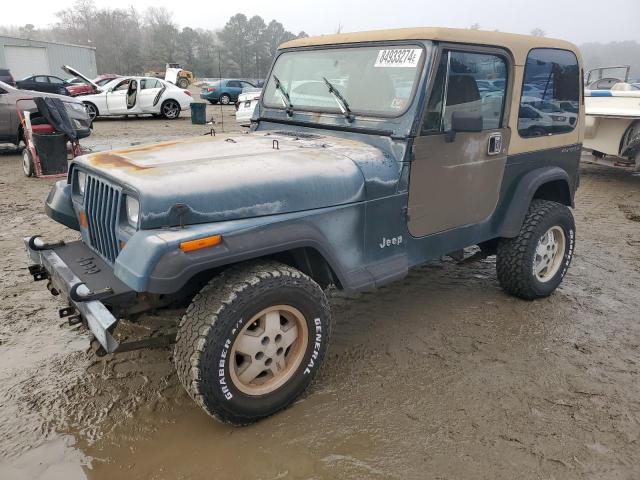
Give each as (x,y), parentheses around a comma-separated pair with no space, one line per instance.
(608,116)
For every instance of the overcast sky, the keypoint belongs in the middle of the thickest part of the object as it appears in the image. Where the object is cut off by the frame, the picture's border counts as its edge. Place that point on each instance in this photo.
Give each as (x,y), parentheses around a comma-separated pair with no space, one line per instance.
(575,20)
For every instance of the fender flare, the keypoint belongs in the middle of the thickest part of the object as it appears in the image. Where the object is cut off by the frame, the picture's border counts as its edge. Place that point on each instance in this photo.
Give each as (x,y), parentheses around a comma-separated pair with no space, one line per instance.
(519,202)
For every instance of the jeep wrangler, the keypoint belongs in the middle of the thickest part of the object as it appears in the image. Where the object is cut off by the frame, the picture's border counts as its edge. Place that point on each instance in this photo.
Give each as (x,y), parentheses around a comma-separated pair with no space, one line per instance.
(370,153)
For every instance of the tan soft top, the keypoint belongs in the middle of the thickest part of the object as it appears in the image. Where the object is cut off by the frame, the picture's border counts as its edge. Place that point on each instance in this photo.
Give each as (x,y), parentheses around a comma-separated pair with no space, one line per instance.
(519,45)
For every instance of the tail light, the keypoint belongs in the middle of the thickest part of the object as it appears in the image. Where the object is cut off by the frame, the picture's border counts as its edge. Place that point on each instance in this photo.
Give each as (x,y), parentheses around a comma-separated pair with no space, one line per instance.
(187,92)
(210,89)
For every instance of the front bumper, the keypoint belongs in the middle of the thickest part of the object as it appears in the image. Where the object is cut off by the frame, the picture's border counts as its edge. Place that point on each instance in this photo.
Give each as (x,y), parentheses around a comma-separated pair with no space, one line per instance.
(75,272)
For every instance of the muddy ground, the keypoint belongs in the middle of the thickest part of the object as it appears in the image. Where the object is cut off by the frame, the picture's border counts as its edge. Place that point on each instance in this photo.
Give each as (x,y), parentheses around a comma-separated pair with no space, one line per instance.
(439,376)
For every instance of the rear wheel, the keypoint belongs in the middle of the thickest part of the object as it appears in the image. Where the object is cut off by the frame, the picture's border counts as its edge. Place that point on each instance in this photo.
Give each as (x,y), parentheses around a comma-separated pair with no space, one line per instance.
(27,163)
(252,341)
(170,109)
(533,264)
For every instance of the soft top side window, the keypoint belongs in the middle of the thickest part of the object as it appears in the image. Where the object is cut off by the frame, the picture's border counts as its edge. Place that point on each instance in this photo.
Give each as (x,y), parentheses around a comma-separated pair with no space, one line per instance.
(469,82)
(551,89)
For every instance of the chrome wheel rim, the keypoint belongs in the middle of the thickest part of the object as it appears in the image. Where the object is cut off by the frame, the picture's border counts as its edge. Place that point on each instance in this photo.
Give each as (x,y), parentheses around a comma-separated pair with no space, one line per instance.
(549,254)
(91,110)
(170,109)
(268,350)
(225,100)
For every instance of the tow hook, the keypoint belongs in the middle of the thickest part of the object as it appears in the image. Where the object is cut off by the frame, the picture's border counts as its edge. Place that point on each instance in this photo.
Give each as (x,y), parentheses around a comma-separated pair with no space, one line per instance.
(78,296)
(37,247)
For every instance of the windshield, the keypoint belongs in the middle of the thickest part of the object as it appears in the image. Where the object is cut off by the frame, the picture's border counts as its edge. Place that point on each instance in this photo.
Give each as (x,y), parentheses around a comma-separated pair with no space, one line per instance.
(375,81)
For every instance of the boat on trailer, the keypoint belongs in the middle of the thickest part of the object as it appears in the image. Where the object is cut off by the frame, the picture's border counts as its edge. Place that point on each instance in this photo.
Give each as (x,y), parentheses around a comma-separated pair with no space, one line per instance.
(612,117)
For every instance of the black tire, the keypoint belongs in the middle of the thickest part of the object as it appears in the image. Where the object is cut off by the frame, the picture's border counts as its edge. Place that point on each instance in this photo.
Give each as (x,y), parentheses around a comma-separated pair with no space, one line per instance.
(27,163)
(225,99)
(92,110)
(516,256)
(183,82)
(170,109)
(214,320)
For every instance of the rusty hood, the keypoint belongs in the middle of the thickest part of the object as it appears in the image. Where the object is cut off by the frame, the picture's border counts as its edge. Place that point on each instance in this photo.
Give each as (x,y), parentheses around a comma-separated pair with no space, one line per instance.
(228,177)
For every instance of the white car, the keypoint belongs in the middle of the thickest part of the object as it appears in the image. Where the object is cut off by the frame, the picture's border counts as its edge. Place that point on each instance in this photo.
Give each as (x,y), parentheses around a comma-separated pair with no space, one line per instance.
(246,105)
(135,96)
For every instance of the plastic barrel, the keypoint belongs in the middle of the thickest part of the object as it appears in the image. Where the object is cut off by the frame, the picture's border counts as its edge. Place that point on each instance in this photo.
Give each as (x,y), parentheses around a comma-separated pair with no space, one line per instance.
(52,150)
(198,113)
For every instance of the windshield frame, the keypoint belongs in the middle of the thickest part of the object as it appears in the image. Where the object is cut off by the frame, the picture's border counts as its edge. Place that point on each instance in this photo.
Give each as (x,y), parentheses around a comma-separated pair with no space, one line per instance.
(426,46)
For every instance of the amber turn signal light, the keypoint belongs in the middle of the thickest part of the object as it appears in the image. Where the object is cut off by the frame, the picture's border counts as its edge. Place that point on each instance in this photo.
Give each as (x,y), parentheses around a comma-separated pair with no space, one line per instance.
(200,243)
(83,219)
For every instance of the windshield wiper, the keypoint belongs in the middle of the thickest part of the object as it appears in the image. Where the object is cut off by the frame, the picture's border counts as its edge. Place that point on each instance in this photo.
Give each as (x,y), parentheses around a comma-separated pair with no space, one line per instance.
(340,100)
(284,96)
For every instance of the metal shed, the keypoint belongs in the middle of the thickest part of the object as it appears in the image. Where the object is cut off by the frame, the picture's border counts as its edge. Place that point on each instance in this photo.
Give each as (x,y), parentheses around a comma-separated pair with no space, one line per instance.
(26,57)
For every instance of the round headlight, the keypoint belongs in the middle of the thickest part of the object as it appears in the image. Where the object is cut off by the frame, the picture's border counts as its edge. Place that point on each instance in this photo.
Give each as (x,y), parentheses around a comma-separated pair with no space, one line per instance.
(82,182)
(133,210)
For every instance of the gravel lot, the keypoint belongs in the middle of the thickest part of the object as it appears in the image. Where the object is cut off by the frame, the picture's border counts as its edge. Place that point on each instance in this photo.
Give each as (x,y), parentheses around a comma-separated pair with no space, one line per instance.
(440,375)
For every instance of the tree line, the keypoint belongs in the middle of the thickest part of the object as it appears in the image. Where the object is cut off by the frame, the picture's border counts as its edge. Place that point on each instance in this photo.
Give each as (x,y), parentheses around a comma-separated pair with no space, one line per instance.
(129,41)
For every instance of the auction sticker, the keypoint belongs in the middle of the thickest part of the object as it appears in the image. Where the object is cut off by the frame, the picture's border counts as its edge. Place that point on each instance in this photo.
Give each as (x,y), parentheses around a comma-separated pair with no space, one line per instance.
(398,57)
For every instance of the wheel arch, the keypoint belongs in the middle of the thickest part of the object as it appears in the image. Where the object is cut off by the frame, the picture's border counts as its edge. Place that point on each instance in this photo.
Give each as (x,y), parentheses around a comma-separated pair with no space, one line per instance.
(171,270)
(546,183)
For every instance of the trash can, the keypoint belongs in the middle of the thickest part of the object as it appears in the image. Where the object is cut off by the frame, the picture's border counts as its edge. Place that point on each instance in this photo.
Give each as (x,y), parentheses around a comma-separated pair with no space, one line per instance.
(198,113)
(52,150)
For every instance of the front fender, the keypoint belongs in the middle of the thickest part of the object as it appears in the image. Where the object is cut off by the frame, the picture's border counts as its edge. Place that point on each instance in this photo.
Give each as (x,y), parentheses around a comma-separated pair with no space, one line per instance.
(59,206)
(152,261)
(526,189)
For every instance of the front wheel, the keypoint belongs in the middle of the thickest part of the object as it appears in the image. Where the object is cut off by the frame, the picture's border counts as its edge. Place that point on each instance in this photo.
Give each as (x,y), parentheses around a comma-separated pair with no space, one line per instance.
(225,99)
(533,264)
(92,111)
(252,340)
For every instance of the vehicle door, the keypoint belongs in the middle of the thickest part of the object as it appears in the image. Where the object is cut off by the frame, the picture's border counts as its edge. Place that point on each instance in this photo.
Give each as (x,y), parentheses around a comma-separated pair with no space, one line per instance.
(117,97)
(57,85)
(460,153)
(39,83)
(234,89)
(133,106)
(151,90)
(6,114)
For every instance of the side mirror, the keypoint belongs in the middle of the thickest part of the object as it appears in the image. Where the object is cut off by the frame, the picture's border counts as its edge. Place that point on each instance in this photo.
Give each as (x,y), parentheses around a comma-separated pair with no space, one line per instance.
(464,122)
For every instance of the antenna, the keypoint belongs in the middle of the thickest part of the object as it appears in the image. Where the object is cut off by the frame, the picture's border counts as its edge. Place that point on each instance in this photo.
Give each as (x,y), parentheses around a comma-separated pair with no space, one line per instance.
(220,75)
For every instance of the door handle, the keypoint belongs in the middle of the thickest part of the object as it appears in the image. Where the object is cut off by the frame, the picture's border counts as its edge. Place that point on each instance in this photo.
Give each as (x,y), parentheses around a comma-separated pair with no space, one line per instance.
(494,146)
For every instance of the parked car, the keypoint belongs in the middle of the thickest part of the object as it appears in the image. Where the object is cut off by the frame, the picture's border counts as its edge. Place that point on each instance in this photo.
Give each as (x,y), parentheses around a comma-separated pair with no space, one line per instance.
(137,96)
(79,86)
(224,91)
(44,83)
(246,105)
(102,80)
(352,193)
(6,77)
(10,128)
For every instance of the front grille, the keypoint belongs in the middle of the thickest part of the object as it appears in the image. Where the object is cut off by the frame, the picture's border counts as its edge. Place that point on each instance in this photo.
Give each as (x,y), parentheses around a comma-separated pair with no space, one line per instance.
(102,204)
